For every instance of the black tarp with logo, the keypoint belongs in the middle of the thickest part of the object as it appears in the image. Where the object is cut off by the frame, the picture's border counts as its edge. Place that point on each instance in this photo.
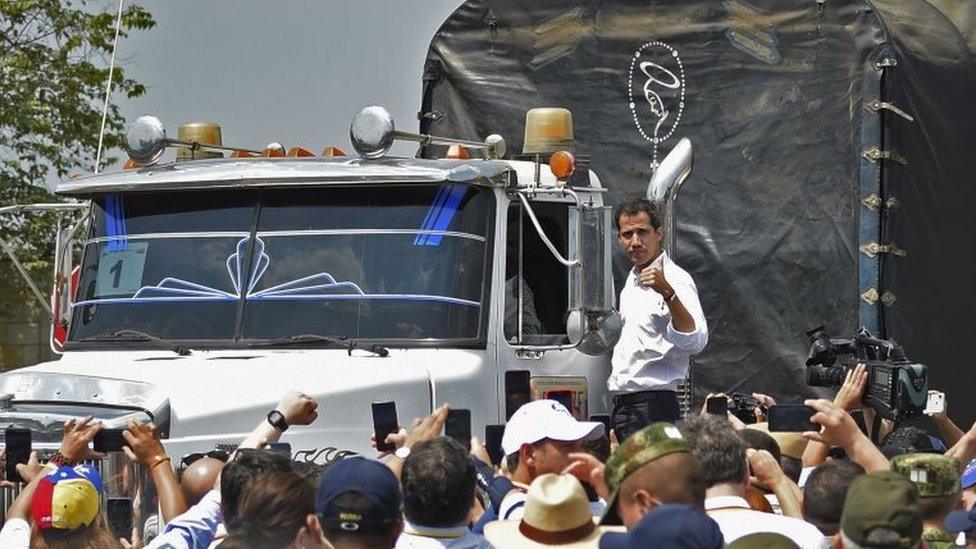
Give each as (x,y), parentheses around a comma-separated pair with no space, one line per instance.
(777,97)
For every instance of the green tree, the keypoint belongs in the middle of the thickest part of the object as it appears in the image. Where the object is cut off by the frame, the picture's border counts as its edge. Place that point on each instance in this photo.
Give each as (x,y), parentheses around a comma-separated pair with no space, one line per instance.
(54,57)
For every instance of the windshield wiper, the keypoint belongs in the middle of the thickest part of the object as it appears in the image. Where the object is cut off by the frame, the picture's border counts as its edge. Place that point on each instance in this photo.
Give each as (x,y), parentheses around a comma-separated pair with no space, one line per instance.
(136,335)
(338,342)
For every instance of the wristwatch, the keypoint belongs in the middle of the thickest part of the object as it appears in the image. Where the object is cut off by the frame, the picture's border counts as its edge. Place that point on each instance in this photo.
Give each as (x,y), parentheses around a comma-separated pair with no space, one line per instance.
(277,420)
(402,452)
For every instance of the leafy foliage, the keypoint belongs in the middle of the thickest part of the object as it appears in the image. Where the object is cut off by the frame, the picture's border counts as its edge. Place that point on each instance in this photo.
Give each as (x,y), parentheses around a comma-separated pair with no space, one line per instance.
(54,57)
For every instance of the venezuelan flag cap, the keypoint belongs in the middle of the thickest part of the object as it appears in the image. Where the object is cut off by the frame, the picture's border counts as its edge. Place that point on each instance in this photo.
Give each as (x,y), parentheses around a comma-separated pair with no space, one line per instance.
(67,499)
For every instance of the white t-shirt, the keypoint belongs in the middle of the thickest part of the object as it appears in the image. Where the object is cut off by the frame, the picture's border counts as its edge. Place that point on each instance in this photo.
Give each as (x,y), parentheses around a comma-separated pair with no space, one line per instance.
(736,519)
(15,534)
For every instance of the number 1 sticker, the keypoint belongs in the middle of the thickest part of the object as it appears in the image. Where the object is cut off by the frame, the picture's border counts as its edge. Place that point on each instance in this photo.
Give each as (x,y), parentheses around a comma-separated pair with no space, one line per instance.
(120,272)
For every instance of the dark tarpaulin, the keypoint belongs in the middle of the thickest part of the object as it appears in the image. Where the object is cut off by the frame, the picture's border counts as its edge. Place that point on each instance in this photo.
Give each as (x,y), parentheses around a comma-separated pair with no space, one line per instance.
(771,93)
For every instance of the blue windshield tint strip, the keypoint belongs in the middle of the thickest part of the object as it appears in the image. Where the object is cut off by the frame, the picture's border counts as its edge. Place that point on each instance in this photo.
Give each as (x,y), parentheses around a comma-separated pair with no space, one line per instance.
(446,214)
(115,223)
(432,213)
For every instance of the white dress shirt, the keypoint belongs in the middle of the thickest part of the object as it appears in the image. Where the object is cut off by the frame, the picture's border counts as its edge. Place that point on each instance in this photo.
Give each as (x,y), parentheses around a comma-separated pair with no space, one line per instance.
(736,519)
(651,354)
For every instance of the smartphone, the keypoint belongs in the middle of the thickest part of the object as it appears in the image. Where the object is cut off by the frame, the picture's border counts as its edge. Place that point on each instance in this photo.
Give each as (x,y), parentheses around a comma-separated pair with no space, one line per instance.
(109,440)
(518,391)
(493,443)
(385,422)
(18,450)
(458,426)
(935,404)
(120,517)
(717,405)
(283,448)
(790,418)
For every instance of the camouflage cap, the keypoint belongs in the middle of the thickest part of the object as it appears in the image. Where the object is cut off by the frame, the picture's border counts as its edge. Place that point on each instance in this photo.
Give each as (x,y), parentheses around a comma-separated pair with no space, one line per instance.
(934,475)
(644,446)
(881,510)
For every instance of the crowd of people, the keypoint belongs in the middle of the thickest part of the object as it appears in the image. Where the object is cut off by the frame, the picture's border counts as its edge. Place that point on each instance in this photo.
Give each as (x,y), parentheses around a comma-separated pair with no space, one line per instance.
(706,482)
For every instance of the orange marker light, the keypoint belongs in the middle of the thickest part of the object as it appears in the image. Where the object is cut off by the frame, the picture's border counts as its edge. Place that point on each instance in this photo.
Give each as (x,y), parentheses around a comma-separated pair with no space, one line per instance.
(300,151)
(242,154)
(562,165)
(330,152)
(457,152)
(130,164)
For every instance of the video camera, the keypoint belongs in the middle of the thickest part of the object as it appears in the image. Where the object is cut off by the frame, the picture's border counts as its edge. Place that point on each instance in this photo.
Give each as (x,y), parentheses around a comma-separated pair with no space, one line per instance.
(896,388)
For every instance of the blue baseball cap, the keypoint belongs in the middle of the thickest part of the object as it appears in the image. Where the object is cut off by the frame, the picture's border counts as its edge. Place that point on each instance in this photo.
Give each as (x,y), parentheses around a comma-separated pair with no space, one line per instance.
(969,475)
(667,526)
(380,503)
(961,521)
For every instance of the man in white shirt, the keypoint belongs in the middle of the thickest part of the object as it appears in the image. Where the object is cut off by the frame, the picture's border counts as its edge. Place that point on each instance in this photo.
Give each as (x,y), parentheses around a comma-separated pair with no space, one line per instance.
(722,456)
(663,324)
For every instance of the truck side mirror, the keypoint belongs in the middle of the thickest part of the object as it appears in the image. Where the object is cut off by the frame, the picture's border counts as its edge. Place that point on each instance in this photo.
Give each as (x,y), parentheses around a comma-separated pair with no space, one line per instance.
(593,324)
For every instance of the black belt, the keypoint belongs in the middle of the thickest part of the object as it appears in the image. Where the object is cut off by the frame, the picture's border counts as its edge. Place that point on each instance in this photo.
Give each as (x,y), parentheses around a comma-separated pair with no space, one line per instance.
(639,396)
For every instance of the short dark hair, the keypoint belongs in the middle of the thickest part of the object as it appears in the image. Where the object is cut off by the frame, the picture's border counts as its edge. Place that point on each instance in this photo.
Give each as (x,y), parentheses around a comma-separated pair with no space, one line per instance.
(824,493)
(720,452)
(634,206)
(758,440)
(906,439)
(271,511)
(246,465)
(438,483)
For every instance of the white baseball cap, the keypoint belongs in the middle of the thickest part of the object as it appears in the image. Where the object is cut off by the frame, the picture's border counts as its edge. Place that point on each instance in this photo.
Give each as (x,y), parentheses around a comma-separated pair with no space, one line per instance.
(542,419)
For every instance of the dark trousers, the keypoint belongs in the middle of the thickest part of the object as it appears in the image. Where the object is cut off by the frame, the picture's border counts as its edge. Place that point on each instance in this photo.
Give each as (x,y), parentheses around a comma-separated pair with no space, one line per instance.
(634,411)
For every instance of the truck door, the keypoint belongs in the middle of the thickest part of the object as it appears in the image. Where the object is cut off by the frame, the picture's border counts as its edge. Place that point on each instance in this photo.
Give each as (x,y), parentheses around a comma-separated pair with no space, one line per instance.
(532,330)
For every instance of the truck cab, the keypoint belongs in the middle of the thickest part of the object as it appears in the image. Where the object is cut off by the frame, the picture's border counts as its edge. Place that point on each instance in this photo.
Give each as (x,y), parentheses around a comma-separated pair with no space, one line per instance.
(208,288)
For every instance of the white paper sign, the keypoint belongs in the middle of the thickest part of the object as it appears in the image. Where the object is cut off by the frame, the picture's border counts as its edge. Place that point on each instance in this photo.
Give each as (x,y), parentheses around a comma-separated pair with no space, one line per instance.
(120,272)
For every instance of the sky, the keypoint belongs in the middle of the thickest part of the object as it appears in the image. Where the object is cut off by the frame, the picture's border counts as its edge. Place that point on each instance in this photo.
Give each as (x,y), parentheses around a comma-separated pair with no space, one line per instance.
(292,71)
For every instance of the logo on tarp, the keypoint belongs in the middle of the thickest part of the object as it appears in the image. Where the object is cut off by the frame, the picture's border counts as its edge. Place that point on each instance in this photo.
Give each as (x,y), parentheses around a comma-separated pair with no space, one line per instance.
(751,30)
(656,85)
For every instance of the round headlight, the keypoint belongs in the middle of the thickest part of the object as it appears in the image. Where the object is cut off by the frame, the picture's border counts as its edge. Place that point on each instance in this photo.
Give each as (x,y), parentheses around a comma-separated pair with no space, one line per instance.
(145,140)
(372,132)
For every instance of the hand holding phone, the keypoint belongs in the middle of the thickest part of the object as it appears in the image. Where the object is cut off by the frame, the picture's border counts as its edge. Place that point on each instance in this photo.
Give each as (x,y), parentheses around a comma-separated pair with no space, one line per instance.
(935,404)
(791,419)
(493,443)
(385,422)
(17,443)
(458,426)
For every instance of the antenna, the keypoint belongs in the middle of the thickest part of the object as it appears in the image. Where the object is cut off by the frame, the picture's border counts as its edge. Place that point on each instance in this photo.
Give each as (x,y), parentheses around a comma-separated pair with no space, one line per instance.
(108,87)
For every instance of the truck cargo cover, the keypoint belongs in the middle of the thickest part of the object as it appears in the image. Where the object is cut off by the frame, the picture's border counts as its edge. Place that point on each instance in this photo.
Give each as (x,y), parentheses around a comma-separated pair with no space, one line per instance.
(784,101)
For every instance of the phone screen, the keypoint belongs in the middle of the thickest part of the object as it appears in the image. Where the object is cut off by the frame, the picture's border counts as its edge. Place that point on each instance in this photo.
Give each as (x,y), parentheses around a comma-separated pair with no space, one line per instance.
(18,450)
(791,418)
(518,391)
(493,443)
(717,405)
(385,422)
(458,426)
(120,517)
(109,440)
(935,404)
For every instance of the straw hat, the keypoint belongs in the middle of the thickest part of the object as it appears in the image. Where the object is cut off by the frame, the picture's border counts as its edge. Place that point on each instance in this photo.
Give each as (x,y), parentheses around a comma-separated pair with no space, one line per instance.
(556,513)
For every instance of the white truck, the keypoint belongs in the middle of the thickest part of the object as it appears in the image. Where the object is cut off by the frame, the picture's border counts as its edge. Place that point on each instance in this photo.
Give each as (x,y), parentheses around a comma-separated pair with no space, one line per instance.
(208,288)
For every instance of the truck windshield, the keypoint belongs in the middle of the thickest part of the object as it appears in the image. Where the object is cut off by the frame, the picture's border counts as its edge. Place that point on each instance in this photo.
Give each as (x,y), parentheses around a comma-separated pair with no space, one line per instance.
(226,268)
